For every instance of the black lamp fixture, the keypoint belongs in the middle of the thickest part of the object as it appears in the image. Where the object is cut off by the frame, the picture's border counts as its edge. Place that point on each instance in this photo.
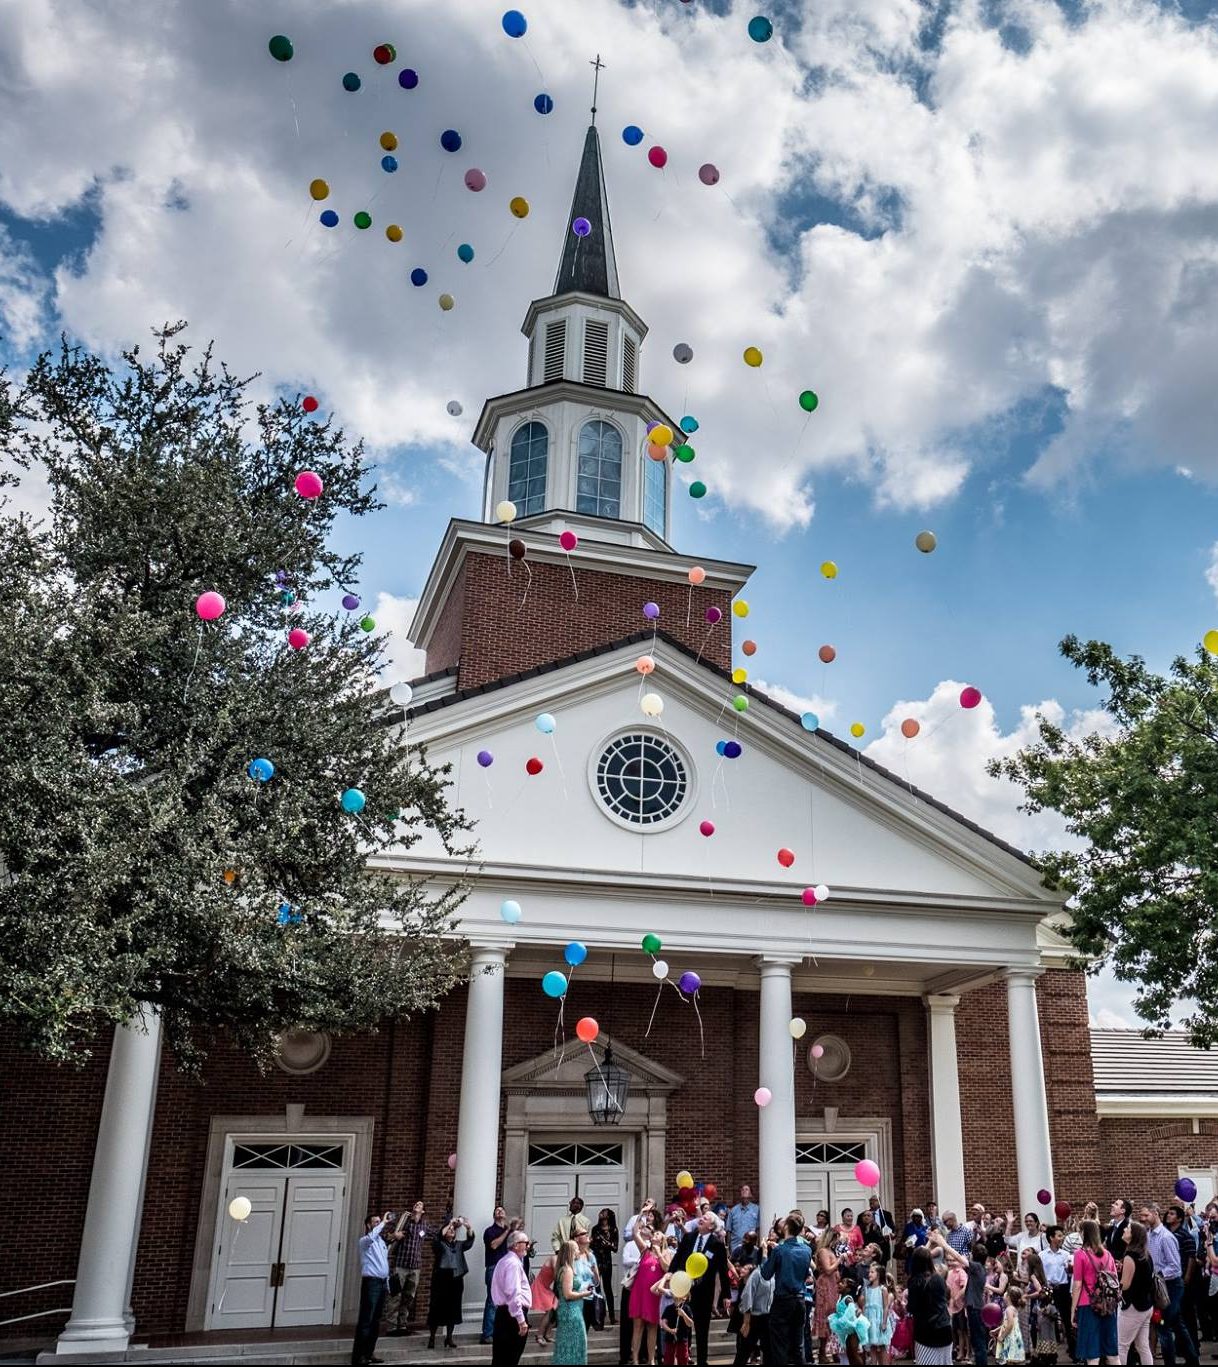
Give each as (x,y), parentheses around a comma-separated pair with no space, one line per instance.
(608,1084)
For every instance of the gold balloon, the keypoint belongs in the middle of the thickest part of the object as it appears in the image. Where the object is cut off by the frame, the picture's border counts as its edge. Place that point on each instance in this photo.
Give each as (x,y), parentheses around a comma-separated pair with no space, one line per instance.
(752,356)
(519,206)
(740,608)
(829,570)
(389,141)
(661,435)
(926,542)
(319,189)
(393,233)
(856,729)
(740,676)
(446,301)
(1210,642)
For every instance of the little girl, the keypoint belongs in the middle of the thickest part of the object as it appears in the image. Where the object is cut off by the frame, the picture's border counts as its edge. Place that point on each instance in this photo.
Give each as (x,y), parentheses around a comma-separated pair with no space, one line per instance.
(850,1328)
(877,1306)
(677,1322)
(1010,1336)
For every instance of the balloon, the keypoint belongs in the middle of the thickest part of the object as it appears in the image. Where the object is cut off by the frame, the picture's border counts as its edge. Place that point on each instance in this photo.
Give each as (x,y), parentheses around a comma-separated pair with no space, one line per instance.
(684,1180)
(485,759)
(401,694)
(362,220)
(351,82)
(651,944)
(543,104)
(740,703)
(511,912)
(808,401)
(696,1265)
(708,173)
(697,575)
(632,135)
(829,569)
(408,78)
(450,140)
(568,540)
(732,749)
(689,981)
(798,1027)
(575,953)
(683,353)
(452,1162)
(587,1029)
(353,800)
(545,723)
(991,1315)
(519,206)
(389,141)
(857,729)
(288,596)
(644,664)
(514,24)
(714,615)
(298,639)
(533,766)
(418,277)
(926,542)
(309,404)
(516,548)
(453,408)
(689,424)
(749,648)
(1063,1210)
(465,253)
(328,218)
(210,605)
(384,53)
(261,769)
(350,601)
(866,1173)
(659,969)
(662,434)
(475,180)
(554,984)
(394,232)
(581,227)
(319,189)
(1186,1189)
(1210,642)
(810,721)
(786,857)
(720,747)
(739,675)
(505,511)
(707,828)
(280,47)
(651,704)
(239,1207)
(446,301)
(761,30)
(969,697)
(827,654)
(752,356)
(367,623)
(910,728)
(389,163)
(684,453)
(651,611)
(817,1051)
(763,1096)
(711,1190)
(822,892)
(657,452)
(740,608)
(679,1285)
(809,897)
(308,484)
(657,156)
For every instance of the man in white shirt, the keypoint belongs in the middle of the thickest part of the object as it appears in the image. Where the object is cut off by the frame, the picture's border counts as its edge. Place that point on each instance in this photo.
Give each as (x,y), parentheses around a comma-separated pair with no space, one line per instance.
(373,1288)
(1056,1262)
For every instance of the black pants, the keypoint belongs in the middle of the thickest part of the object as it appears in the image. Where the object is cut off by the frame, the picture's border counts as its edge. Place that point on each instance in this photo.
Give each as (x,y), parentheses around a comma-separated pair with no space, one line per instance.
(507,1342)
(1173,1335)
(758,1335)
(1061,1299)
(787,1316)
(978,1336)
(372,1293)
(702,1308)
(625,1327)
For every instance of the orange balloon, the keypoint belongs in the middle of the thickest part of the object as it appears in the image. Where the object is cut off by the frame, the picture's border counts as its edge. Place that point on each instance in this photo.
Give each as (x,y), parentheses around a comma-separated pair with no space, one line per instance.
(827,654)
(644,664)
(697,575)
(909,728)
(657,452)
(749,647)
(587,1029)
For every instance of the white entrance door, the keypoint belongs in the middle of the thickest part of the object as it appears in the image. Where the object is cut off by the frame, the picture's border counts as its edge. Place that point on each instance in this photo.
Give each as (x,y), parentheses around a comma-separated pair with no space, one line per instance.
(824,1175)
(308,1256)
(243,1290)
(597,1172)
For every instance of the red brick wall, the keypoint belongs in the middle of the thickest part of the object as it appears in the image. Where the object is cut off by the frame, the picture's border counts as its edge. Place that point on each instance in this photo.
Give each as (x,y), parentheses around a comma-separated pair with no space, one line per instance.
(1065,1041)
(497,616)
(1140,1156)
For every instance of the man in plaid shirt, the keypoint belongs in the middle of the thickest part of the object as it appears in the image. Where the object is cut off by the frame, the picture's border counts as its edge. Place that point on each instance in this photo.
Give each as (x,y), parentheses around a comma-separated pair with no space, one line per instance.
(405,1259)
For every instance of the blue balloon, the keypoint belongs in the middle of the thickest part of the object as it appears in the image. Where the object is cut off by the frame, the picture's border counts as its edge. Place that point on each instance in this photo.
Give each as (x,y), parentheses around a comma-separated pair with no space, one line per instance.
(721,747)
(353,800)
(465,253)
(285,913)
(543,104)
(511,912)
(514,24)
(575,953)
(389,163)
(632,135)
(809,721)
(329,219)
(554,984)
(408,78)
(450,140)
(261,769)
(545,723)
(761,30)
(351,82)
(689,424)
(733,750)
(418,276)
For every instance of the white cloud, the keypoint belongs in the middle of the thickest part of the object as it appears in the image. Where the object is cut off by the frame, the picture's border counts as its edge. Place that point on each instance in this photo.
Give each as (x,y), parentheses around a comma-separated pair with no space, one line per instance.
(824,708)
(1107,1019)
(402,660)
(1211,570)
(24,292)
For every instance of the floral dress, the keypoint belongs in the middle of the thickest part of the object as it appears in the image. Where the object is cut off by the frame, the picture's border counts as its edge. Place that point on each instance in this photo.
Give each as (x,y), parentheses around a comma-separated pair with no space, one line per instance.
(570,1337)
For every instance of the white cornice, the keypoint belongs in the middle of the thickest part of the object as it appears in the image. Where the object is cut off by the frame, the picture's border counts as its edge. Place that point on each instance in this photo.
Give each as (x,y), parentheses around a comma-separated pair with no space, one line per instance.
(538,397)
(1176,1106)
(592,301)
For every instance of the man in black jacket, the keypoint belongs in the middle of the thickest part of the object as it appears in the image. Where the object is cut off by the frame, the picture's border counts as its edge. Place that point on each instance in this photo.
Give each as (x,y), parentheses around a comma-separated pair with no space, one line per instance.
(1114,1235)
(705,1240)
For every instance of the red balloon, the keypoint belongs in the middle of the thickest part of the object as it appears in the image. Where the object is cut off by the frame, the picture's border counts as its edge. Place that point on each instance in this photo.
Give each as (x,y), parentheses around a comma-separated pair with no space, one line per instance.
(309,404)
(534,766)
(711,1191)
(749,647)
(786,857)
(909,728)
(827,654)
(1063,1210)
(568,541)
(587,1029)
(809,896)
(383,54)
(657,156)
(970,696)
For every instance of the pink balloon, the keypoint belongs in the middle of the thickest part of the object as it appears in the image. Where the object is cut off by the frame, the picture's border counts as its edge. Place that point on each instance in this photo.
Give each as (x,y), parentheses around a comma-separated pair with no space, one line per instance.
(452,1162)
(474,179)
(707,827)
(713,615)
(298,638)
(657,156)
(763,1096)
(809,896)
(866,1173)
(817,1051)
(308,484)
(568,541)
(970,696)
(209,605)
(708,174)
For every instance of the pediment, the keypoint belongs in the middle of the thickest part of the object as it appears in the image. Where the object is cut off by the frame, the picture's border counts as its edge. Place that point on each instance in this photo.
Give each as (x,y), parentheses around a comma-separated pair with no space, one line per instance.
(563,1072)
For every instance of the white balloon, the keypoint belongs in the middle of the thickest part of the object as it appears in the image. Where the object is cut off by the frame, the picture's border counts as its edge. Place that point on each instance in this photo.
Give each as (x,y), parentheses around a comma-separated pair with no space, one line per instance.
(401,694)
(239,1207)
(822,892)
(798,1028)
(454,409)
(652,704)
(659,969)
(505,511)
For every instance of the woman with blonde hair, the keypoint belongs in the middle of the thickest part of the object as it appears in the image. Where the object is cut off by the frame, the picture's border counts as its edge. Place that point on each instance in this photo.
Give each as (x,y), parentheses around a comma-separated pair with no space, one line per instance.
(572,1290)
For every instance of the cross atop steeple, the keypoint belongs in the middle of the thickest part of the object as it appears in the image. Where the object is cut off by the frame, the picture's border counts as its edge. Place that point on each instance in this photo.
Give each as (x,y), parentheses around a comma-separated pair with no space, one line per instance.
(596,80)
(587,265)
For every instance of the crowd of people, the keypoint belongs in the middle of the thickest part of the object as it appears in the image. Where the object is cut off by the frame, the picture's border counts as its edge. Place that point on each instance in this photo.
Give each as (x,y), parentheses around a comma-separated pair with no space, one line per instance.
(937,1289)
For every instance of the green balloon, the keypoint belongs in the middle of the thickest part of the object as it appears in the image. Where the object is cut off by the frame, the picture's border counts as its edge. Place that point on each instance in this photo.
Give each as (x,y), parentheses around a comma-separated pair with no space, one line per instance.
(367,623)
(684,452)
(363,219)
(697,489)
(740,703)
(280,47)
(808,401)
(651,944)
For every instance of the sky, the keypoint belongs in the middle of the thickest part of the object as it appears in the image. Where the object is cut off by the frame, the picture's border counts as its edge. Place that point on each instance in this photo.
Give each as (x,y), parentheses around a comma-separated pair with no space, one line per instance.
(986,234)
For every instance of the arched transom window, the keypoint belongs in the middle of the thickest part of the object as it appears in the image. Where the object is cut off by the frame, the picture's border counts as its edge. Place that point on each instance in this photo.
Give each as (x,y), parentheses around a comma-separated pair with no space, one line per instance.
(527,469)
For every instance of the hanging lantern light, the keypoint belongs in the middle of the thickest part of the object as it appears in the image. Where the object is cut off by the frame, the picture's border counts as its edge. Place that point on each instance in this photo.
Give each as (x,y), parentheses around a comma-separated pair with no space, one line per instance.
(608,1091)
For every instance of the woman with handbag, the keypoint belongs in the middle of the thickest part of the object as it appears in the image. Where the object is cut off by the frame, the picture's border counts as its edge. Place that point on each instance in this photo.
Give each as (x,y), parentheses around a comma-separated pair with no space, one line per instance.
(594,1305)
(604,1246)
(1137,1295)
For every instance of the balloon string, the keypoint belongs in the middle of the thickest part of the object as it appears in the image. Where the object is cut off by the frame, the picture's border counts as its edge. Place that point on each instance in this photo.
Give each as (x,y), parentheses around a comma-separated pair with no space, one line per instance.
(571,567)
(191,674)
(654,1008)
(609,1097)
(504,248)
(527,586)
(701,1032)
(562,777)
(540,74)
(689,606)
(439,177)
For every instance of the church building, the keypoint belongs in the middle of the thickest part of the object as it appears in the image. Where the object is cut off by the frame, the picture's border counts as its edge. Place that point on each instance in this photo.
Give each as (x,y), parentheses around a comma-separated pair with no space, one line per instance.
(946,1037)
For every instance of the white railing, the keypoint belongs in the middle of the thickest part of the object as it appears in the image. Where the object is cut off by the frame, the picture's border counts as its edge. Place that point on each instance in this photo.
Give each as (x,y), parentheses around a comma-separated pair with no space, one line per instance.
(38,1314)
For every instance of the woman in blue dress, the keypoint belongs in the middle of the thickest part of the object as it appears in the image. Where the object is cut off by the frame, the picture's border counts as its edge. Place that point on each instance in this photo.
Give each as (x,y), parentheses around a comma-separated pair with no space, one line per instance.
(572,1290)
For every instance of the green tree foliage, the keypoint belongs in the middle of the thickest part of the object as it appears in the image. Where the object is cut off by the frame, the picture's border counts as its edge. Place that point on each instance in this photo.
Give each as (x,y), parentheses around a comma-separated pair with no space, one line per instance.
(1144,799)
(139,862)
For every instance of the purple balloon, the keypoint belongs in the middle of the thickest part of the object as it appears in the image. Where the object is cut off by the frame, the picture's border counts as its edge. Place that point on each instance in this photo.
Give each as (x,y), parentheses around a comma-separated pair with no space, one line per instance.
(651,427)
(713,615)
(350,601)
(733,749)
(485,758)
(689,981)
(1186,1189)
(991,1315)
(581,227)
(651,611)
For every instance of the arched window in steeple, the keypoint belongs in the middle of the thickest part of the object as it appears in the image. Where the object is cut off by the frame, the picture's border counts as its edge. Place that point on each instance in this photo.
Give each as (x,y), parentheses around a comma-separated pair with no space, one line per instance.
(655,494)
(527,468)
(598,487)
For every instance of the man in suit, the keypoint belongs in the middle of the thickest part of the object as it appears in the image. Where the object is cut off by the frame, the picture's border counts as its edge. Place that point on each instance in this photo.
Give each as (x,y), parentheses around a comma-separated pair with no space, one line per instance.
(1114,1235)
(884,1226)
(705,1239)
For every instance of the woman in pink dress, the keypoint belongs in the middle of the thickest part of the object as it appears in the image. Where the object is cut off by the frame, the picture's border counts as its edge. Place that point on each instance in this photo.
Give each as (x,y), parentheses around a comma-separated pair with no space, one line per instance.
(644,1303)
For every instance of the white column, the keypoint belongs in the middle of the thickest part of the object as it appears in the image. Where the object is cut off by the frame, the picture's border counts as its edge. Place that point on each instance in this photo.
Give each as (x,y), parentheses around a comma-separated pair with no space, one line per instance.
(474,1193)
(776,1122)
(112,1216)
(1033,1158)
(947,1137)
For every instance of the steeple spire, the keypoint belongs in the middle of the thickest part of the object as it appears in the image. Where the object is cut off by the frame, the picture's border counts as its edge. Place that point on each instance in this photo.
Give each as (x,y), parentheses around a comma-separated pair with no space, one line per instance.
(588,264)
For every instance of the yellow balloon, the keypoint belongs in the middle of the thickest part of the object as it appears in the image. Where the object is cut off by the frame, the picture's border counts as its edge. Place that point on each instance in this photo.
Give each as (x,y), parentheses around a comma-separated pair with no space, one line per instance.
(856,729)
(829,570)
(696,1264)
(389,141)
(660,435)
(752,356)
(446,301)
(684,1179)
(1210,642)
(739,675)
(680,1284)
(319,189)
(740,608)
(393,233)
(519,206)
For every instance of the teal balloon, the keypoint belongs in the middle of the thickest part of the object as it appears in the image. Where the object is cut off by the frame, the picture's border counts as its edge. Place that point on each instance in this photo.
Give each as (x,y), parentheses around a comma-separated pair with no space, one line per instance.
(575,953)
(545,723)
(554,984)
(810,721)
(353,800)
(280,47)
(760,29)
(351,82)
(465,253)
(511,912)
(689,423)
